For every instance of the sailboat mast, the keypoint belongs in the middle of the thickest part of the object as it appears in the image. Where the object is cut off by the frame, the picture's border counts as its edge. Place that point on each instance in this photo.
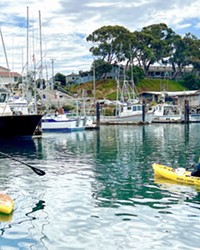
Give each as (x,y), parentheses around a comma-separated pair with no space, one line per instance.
(94,83)
(41,61)
(34,74)
(27,44)
(4,48)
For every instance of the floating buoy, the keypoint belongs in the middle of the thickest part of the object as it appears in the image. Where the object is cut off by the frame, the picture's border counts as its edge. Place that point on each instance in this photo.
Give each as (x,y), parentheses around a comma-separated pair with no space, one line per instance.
(6,204)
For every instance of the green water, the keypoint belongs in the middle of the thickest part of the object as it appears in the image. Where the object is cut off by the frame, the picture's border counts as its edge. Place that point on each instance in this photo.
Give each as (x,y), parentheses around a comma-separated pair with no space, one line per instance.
(99,190)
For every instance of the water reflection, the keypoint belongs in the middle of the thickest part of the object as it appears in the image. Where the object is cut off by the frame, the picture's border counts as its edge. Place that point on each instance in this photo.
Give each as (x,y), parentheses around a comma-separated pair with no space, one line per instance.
(38,206)
(18,147)
(99,185)
(120,157)
(123,164)
(6,217)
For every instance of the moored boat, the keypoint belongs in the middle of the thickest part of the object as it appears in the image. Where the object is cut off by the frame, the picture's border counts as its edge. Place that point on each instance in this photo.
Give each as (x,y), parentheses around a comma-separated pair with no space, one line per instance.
(127,107)
(63,123)
(179,174)
(14,123)
(18,125)
(128,112)
(167,113)
(194,115)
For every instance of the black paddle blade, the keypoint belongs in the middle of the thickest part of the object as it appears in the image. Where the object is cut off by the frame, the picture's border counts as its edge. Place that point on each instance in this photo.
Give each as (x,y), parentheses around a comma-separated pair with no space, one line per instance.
(38,171)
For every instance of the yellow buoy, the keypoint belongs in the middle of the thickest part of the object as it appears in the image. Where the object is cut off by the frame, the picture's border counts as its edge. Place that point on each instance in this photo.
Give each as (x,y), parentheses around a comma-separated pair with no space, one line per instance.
(6,204)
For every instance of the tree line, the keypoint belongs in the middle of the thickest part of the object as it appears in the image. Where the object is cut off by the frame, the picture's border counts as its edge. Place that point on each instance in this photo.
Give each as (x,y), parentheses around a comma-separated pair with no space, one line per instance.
(138,50)
(154,44)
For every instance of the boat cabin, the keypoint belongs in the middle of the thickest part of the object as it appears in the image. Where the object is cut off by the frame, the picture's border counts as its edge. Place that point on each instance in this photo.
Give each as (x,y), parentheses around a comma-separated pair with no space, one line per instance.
(130,110)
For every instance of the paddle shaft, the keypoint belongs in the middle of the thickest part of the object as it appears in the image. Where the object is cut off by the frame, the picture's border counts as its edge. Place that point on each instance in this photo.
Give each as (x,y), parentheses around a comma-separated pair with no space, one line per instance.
(36,170)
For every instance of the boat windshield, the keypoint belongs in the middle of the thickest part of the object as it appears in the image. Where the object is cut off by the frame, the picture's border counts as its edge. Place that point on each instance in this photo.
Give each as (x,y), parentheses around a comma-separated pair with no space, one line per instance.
(137,108)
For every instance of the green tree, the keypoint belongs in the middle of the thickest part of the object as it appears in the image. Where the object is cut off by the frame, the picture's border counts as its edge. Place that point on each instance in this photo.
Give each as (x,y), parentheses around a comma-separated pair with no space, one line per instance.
(85,73)
(101,68)
(153,44)
(178,58)
(108,40)
(135,73)
(191,81)
(60,78)
(156,43)
(192,52)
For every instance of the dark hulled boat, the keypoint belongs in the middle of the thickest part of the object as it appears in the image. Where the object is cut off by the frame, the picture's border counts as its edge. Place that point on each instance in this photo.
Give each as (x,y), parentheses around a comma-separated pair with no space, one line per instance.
(18,125)
(15,119)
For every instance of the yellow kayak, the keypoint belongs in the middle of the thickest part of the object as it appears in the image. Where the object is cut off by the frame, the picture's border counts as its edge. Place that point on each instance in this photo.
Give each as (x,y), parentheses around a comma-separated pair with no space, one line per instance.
(179,174)
(6,204)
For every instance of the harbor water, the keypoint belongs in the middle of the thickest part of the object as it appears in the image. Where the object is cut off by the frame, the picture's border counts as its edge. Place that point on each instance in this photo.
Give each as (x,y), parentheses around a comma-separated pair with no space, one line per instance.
(99,191)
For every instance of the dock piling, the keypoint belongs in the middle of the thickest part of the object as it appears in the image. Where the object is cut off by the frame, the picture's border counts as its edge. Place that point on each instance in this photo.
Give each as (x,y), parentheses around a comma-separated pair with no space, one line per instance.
(187,110)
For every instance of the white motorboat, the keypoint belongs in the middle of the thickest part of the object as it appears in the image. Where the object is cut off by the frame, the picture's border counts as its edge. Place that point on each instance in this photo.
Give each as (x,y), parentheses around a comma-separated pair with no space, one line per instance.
(64,123)
(128,109)
(129,113)
(194,115)
(167,113)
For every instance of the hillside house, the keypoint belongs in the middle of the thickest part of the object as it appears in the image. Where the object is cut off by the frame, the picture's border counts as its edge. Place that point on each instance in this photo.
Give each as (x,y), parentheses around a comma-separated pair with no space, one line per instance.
(165,72)
(72,78)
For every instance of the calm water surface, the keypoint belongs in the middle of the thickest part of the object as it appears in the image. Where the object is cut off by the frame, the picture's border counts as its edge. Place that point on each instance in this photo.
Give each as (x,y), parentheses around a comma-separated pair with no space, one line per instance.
(99,190)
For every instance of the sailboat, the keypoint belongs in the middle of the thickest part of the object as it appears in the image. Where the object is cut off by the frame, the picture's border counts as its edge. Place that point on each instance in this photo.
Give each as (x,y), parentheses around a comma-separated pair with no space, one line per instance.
(14,123)
(16,119)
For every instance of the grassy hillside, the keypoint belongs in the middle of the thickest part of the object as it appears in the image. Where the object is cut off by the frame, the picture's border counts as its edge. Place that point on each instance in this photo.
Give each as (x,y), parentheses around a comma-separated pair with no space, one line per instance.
(108,88)
(159,85)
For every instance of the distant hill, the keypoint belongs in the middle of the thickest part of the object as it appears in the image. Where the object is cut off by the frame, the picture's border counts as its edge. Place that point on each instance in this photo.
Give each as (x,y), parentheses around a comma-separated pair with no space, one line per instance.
(108,88)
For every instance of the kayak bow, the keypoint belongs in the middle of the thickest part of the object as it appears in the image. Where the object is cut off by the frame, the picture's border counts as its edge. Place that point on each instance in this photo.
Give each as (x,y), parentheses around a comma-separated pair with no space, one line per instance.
(179,174)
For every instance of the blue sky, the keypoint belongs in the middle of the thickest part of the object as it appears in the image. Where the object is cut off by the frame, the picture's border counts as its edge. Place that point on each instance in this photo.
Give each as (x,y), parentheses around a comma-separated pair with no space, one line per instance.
(66,24)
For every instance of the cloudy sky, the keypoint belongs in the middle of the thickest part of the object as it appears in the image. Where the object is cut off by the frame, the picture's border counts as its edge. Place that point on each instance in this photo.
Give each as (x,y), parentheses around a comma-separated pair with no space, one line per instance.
(65,24)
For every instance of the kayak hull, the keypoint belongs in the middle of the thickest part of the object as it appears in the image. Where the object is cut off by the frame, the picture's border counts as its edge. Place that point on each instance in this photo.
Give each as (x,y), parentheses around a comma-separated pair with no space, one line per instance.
(178,175)
(6,204)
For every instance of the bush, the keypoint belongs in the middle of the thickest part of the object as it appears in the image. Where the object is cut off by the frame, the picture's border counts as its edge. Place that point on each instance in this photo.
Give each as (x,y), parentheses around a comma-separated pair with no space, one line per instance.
(191,81)
(68,107)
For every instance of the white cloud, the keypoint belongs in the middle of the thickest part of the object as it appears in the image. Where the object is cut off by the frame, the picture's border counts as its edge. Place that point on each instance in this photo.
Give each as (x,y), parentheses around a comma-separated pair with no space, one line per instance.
(66,24)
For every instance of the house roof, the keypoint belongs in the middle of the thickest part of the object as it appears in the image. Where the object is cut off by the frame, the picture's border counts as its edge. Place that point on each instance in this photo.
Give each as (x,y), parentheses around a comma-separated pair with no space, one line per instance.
(9,74)
(4,72)
(4,69)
